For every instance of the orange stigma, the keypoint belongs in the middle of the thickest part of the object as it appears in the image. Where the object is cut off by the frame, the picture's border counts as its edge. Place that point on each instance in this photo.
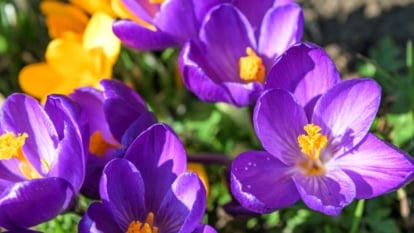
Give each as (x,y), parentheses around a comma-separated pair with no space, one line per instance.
(11,147)
(156,1)
(146,227)
(311,145)
(98,145)
(251,67)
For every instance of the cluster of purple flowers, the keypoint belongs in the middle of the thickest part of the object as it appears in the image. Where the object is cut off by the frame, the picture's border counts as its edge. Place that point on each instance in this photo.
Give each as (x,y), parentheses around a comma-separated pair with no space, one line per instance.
(313,126)
(107,145)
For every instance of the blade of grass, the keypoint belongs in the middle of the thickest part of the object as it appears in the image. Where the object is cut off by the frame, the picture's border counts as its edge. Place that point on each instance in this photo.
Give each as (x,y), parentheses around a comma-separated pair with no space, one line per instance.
(359,210)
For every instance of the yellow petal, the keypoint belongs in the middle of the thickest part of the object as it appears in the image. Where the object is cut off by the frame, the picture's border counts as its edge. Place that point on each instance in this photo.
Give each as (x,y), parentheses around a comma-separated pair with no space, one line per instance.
(99,33)
(93,6)
(63,19)
(68,56)
(39,79)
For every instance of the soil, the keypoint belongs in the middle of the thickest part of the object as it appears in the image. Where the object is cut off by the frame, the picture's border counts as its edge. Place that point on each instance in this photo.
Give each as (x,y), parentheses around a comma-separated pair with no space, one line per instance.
(346,28)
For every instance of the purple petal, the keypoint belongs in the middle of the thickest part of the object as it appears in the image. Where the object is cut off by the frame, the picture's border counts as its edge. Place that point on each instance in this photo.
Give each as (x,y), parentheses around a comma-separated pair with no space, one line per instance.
(346,111)
(305,70)
(327,193)
(199,77)
(71,159)
(98,218)
(204,229)
(207,85)
(282,2)
(122,106)
(143,9)
(8,177)
(177,18)
(160,157)
(64,112)
(122,190)
(202,7)
(142,38)
(29,203)
(243,94)
(281,27)
(23,114)
(226,43)
(91,102)
(254,11)
(114,89)
(143,122)
(262,183)
(376,167)
(183,207)
(278,121)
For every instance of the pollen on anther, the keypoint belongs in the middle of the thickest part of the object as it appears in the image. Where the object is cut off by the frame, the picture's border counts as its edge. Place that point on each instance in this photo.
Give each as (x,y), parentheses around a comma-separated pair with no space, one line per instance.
(251,67)
(145,227)
(11,144)
(313,142)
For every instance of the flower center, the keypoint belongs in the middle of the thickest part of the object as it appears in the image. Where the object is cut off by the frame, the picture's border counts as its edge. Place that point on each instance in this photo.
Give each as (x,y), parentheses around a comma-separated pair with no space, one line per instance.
(251,67)
(156,1)
(11,147)
(98,145)
(146,227)
(311,145)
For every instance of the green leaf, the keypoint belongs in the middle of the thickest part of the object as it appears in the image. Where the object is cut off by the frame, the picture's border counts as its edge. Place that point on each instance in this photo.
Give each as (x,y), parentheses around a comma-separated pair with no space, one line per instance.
(402,127)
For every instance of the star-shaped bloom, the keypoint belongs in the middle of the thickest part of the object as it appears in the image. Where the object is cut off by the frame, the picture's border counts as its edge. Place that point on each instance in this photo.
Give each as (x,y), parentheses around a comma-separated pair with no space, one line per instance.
(42,159)
(235,51)
(149,190)
(325,156)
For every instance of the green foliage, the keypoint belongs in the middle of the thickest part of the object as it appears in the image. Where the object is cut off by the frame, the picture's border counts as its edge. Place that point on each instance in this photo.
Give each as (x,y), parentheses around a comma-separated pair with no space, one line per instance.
(23,39)
(393,69)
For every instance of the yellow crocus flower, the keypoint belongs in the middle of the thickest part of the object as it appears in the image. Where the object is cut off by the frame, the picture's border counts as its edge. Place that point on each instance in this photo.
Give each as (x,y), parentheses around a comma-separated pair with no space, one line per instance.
(71,63)
(93,6)
(64,20)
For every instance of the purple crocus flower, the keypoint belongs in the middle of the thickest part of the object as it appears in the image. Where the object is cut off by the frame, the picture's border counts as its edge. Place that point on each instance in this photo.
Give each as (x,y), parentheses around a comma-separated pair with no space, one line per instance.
(235,51)
(306,71)
(149,190)
(115,116)
(327,157)
(42,159)
(163,24)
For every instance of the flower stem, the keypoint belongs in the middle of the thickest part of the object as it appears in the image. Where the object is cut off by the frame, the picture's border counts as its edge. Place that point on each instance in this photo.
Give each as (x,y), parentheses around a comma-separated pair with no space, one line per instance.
(210,159)
(357,216)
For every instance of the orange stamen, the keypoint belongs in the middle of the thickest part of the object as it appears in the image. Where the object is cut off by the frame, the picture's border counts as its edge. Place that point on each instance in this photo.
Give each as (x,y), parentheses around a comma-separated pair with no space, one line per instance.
(251,67)
(146,227)
(11,147)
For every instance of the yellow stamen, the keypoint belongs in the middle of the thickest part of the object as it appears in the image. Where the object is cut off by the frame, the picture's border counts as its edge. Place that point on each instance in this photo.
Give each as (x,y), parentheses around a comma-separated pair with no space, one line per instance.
(312,143)
(156,1)
(98,145)
(251,67)
(147,227)
(11,147)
